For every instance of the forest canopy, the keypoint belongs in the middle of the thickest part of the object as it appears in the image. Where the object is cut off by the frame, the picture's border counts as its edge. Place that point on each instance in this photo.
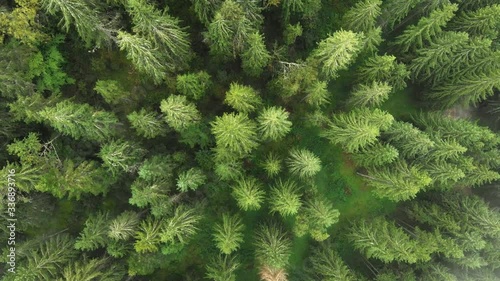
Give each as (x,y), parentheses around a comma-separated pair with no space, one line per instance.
(235,140)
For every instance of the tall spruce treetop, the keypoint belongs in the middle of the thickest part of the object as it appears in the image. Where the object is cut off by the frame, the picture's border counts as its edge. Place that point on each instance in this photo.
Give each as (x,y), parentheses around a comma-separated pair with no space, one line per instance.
(235,132)
(242,98)
(179,112)
(363,16)
(426,29)
(337,51)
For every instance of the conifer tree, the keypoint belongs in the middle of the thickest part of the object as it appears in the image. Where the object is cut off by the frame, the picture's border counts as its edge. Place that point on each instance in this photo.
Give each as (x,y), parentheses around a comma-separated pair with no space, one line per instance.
(229,235)
(397,182)
(222,268)
(444,174)
(384,68)
(235,132)
(410,141)
(179,112)
(272,246)
(337,52)
(147,238)
(376,155)
(242,98)
(181,226)
(248,194)
(303,163)
(426,29)
(93,236)
(274,123)
(193,85)
(147,124)
(123,226)
(272,165)
(370,95)
(315,218)
(191,179)
(484,21)
(285,198)
(317,94)
(446,149)
(111,91)
(255,57)
(363,16)
(328,265)
(121,156)
(88,269)
(393,11)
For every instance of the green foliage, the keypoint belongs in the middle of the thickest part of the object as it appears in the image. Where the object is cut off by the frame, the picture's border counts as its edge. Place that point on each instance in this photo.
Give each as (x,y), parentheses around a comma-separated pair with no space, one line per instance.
(272,165)
(179,112)
(337,52)
(396,10)
(94,234)
(426,29)
(303,163)
(229,235)
(255,57)
(222,268)
(235,132)
(292,32)
(242,98)
(484,21)
(193,85)
(376,155)
(285,198)
(191,179)
(384,68)
(148,235)
(28,150)
(147,124)
(181,226)
(273,247)
(205,9)
(45,69)
(410,141)
(248,194)
(328,265)
(317,94)
(316,217)
(370,95)
(363,16)
(274,123)
(124,226)
(21,23)
(89,269)
(111,91)
(121,156)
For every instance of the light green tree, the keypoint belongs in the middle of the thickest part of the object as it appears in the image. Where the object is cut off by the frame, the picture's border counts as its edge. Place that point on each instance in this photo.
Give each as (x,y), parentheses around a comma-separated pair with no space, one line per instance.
(248,194)
(193,85)
(235,132)
(384,68)
(315,218)
(481,22)
(328,265)
(317,94)
(147,237)
(229,235)
(242,98)
(222,268)
(111,91)
(191,179)
(337,52)
(393,11)
(274,123)
(180,227)
(179,112)
(147,124)
(363,16)
(255,57)
(87,269)
(376,155)
(94,234)
(272,164)
(303,163)
(426,29)
(121,156)
(370,95)
(272,246)
(123,226)
(410,141)
(285,198)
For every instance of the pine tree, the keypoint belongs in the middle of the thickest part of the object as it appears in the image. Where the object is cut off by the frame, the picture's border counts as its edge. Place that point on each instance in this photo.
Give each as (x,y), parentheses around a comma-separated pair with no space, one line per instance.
(248,194)
(179,112)
(285,198)
(381,239)
(181,226)
(168,39)
(81,121)
(229,235)
(337,52)
(328,265)
(123,226)
(272,246)
(222,268)
(191,179)
(272,165)
(147,124)
(193,85)
(121,156)
(235,132)
(484,21)
(410,141)
(274,123)
(242,98)
(255,57)
(363,16)
(316,217)
(376,155)
(384,68)
(303,163)
(426,29)
(397,182)
(143,56)
(370,95)
(93,236)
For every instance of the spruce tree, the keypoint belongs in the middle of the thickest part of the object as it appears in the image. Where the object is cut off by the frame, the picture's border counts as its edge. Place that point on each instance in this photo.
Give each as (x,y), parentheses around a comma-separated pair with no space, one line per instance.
(222,268)
(193,85)
(484,21)
(272,246)
(121,156)
(315,218)
(179,112)
(235,132)
(410,141)
(248,194)
(376,155)
(303,163)
(363,16)
(370,95)
(147,124)
(285,198)
(93,236)
(328,265)
(229,235)
(255,57)
(274,123)
(242,98)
